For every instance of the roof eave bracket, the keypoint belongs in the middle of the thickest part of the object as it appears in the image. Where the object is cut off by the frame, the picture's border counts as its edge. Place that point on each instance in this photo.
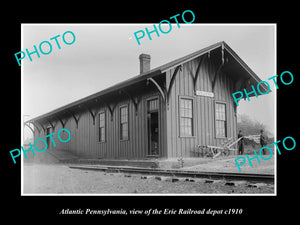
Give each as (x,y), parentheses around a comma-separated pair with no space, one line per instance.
(74,116)
(179,67)
(217,73)
(135,101)
(159,88)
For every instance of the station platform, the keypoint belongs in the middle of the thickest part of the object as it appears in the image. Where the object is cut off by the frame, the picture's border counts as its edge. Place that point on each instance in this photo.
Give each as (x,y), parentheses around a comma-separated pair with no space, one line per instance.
(219,164)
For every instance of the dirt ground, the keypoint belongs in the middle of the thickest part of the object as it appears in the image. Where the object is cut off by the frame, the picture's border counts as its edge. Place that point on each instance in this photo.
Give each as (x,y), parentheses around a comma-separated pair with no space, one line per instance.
(228,164)
(47,176)
(60,179)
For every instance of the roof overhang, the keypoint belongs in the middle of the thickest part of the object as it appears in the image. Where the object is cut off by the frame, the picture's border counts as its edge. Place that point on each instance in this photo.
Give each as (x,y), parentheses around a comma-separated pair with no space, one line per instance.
(235,67)
(106,92)
(242,74)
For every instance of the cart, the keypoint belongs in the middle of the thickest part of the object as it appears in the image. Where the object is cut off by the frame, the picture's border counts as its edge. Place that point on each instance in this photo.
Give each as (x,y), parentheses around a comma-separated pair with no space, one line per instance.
(215,151)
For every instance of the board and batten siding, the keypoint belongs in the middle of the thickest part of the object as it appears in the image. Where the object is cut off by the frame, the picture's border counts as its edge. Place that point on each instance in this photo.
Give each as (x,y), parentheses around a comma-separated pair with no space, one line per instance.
(203,108)
(85,139)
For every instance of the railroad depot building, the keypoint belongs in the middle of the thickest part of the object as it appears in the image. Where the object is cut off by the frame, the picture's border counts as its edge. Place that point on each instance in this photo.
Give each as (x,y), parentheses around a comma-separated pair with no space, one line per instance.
(163,112)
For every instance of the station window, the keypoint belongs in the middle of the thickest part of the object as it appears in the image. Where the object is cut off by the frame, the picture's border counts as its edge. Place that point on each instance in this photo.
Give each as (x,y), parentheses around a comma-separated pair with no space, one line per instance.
(102,127)
(124,122)
(221,122)
(186,117)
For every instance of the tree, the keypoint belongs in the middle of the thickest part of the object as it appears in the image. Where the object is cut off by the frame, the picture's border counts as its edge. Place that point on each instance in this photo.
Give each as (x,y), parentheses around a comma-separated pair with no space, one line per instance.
(250,126)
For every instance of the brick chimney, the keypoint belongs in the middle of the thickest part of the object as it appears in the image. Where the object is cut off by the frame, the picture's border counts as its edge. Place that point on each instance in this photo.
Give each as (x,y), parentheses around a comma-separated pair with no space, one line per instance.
(144,63)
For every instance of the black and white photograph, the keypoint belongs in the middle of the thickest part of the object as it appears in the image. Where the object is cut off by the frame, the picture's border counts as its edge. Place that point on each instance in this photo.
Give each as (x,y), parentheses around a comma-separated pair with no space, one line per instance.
(149,111)
(162,109)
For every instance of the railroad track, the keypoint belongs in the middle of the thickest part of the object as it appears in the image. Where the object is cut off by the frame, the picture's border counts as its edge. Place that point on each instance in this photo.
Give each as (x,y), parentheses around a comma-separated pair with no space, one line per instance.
(266,178)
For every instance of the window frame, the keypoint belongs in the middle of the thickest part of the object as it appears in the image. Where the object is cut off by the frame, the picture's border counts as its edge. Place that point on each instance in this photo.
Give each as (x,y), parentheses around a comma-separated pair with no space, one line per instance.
(215,119)
(99,127)
(120,122)
(156,97)
(180,97)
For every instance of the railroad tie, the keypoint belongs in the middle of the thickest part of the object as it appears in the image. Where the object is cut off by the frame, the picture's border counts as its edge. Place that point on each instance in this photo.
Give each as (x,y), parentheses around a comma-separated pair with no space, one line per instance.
(257,185)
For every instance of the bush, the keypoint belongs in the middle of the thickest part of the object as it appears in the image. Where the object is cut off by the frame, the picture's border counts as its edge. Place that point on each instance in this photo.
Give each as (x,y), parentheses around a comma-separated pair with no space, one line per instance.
(252,127)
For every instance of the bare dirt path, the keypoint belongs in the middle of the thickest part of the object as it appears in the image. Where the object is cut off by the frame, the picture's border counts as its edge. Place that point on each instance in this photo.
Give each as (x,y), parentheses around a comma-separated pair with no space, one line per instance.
(60,179)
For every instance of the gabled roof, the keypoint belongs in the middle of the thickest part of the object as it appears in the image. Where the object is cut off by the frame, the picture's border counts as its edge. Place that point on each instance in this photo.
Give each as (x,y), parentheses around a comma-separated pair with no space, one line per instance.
(249,75)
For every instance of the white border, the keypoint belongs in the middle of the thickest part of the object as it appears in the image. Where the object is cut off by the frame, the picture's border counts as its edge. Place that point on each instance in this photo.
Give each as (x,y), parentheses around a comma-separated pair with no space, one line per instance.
(22,113)
(158,194)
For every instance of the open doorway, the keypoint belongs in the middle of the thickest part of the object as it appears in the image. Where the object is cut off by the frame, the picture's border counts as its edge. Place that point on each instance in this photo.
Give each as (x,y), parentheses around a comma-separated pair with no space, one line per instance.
(153,127)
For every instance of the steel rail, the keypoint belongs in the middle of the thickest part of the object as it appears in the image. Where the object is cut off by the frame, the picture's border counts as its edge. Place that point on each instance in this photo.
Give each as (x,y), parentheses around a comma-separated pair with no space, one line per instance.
(267,178)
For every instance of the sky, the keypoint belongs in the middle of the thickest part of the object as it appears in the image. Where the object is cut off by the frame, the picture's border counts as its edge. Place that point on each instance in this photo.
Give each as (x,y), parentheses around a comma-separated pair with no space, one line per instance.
(105,54)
